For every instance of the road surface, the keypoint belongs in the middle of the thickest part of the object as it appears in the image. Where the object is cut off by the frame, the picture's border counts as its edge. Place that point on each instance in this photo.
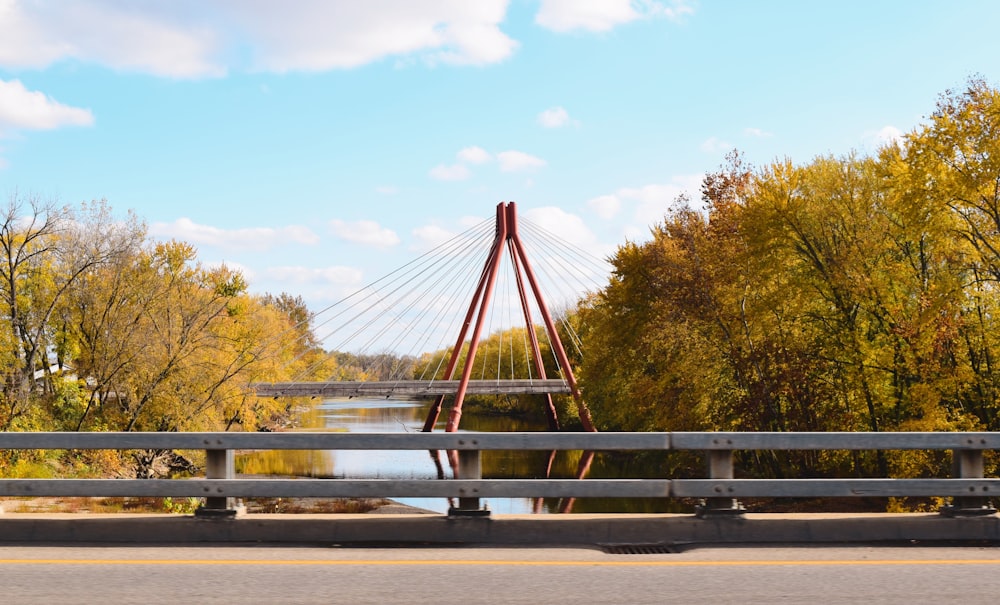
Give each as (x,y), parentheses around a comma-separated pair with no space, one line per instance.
(467,576)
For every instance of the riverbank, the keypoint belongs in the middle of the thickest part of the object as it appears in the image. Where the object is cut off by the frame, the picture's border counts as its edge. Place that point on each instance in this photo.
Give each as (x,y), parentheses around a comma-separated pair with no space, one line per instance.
(264,506)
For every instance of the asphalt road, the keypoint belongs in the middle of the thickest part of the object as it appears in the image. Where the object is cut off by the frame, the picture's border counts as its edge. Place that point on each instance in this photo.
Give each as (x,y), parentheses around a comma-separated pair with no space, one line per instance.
(226,574)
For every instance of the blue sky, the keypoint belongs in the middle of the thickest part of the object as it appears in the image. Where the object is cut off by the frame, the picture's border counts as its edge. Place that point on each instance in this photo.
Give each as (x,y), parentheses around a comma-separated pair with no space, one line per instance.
(319,144)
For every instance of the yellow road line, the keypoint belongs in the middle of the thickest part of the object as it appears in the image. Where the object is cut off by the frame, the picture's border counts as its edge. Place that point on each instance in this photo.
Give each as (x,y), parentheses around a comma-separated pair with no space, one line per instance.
(445,562)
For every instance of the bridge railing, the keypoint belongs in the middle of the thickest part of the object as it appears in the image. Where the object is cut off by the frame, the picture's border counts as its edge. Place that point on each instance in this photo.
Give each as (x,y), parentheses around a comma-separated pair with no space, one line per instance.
(969,489)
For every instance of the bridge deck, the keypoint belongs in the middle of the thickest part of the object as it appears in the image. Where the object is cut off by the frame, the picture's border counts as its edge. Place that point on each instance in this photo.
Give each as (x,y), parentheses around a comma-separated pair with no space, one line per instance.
(409,388)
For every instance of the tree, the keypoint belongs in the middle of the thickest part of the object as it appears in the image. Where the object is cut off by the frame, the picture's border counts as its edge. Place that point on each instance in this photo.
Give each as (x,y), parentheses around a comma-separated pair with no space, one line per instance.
(44,252)
(854,293)
(950,169)
(168,345)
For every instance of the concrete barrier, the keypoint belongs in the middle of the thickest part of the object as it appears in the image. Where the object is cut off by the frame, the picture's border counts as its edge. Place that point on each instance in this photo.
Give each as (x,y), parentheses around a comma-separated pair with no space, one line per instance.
(583,530)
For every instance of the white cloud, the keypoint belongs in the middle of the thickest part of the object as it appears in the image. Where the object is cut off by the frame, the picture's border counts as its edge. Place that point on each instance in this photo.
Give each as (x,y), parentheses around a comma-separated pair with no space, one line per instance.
(474,155)
(884,136)
(387,189)
(189,39)
(649,203)
(653,201)
(469,221)
(23,108)
(475,37)
(319,286)
(454,172)
(568,227)
(555,117)
(308,275)
(516,161)
(605,206)
(603,15)
(319,35)
(593,15)
(429,237)
(635,233)
(460,172)
(164,39)
(368,233)
(240,268)
(257,238)
(713,145)
(675,10)
(757,132)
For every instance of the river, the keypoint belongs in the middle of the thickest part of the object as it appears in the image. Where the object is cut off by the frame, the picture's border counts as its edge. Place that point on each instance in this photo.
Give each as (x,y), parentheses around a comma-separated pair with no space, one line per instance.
(360,415)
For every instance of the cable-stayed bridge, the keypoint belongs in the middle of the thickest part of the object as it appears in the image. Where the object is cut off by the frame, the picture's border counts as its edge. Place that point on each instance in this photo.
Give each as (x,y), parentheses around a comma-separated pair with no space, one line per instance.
(495,282)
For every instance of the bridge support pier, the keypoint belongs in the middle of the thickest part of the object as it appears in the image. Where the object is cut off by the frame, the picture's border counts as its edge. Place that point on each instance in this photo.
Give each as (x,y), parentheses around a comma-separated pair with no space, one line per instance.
(219,464)
(720,466)
(469,467)
(968,464)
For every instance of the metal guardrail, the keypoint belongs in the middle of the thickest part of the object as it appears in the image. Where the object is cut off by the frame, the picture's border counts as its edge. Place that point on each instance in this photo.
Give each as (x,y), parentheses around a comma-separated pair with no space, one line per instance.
(970,490)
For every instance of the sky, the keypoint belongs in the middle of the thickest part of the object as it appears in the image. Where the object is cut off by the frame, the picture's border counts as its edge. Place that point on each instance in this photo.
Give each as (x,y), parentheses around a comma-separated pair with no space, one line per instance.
(317,145)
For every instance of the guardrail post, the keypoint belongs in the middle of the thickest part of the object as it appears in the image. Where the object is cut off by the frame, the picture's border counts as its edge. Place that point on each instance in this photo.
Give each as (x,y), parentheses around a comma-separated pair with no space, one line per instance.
(469,467)
(720,466)
(219,464)
(968,464)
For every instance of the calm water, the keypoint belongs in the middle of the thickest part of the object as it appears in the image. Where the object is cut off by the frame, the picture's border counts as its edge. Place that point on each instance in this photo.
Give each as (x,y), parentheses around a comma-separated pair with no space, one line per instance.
(395,415)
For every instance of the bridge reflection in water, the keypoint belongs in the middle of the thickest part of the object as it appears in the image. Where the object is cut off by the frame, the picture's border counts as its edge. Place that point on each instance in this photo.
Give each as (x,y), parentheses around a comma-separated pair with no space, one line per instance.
(381,415)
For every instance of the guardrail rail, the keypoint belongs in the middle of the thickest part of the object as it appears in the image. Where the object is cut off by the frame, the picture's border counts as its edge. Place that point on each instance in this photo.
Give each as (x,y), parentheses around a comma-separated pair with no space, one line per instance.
(969,489)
